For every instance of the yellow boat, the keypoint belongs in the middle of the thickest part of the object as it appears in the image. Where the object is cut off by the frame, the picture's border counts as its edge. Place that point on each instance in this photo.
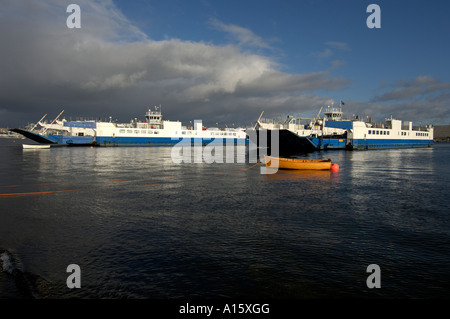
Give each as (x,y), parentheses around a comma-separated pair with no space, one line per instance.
(293,163)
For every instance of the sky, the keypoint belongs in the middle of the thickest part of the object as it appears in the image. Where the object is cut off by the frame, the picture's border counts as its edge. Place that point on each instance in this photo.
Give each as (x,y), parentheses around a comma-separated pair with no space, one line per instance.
(224,61)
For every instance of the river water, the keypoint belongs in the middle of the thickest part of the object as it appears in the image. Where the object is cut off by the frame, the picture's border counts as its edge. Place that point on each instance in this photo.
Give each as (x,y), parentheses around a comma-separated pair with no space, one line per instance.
(140,226)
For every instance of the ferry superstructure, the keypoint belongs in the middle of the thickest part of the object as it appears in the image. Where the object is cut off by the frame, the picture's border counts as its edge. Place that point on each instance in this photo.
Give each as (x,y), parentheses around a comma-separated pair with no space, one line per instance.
(393,134)
(333,132)
(153,131)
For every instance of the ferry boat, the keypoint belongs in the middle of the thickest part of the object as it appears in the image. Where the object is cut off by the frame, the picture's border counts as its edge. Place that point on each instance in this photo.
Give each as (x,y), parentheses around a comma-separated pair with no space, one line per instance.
(294,135)
(332,132)
(152,131)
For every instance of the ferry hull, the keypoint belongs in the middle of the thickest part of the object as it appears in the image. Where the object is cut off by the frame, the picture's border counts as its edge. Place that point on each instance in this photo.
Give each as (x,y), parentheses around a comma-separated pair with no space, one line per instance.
(34,136)
(122,141)
(288,144)
(374,144)
(161,141)
(291,143)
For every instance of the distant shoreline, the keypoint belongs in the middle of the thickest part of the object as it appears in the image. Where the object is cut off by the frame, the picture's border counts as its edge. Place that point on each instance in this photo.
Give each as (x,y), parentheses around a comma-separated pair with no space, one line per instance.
(442,140)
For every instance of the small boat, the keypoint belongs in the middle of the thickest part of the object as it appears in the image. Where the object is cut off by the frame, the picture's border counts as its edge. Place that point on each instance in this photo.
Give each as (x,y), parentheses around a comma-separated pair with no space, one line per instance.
(35,146)
(293,163)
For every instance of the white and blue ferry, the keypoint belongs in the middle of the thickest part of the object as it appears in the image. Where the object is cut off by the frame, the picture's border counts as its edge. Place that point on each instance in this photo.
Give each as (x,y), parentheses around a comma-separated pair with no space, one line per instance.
(153,131)
(333,132)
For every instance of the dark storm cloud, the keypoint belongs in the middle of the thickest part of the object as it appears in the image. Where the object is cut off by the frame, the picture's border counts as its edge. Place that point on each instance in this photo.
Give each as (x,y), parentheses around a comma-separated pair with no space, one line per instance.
(109,67)
(420,86)
(423,97)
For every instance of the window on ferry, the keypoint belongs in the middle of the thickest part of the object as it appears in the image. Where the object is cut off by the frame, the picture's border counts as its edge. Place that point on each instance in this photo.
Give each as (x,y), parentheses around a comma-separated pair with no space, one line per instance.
(388,132)
(150,132)
(136,131)
(156,132)
(122,131)
(129,131)
(143,131)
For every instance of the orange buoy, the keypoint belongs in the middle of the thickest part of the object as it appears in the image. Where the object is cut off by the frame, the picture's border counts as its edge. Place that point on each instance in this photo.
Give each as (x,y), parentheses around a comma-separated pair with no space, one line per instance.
(334,168)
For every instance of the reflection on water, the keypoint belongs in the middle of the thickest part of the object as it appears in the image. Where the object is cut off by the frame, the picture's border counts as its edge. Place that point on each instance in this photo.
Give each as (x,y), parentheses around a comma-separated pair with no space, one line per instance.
(303,175)
(141,226)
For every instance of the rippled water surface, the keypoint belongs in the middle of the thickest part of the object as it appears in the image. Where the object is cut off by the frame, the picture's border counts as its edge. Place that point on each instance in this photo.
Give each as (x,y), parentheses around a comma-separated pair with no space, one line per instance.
(141,226)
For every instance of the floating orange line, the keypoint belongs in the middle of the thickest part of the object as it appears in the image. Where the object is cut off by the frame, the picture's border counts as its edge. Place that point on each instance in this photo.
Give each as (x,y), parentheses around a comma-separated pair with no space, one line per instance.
(35,193)
(32,184)
(246,169)
(120,180)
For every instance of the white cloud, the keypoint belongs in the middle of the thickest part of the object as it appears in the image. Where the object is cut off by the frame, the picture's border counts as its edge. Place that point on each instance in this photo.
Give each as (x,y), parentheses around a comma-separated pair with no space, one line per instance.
(342,46)
(245,37)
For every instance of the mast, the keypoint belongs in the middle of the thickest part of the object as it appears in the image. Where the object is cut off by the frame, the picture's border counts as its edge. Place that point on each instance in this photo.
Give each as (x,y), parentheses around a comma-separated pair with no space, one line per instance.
(38,122)
(257,122)
(53,121)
